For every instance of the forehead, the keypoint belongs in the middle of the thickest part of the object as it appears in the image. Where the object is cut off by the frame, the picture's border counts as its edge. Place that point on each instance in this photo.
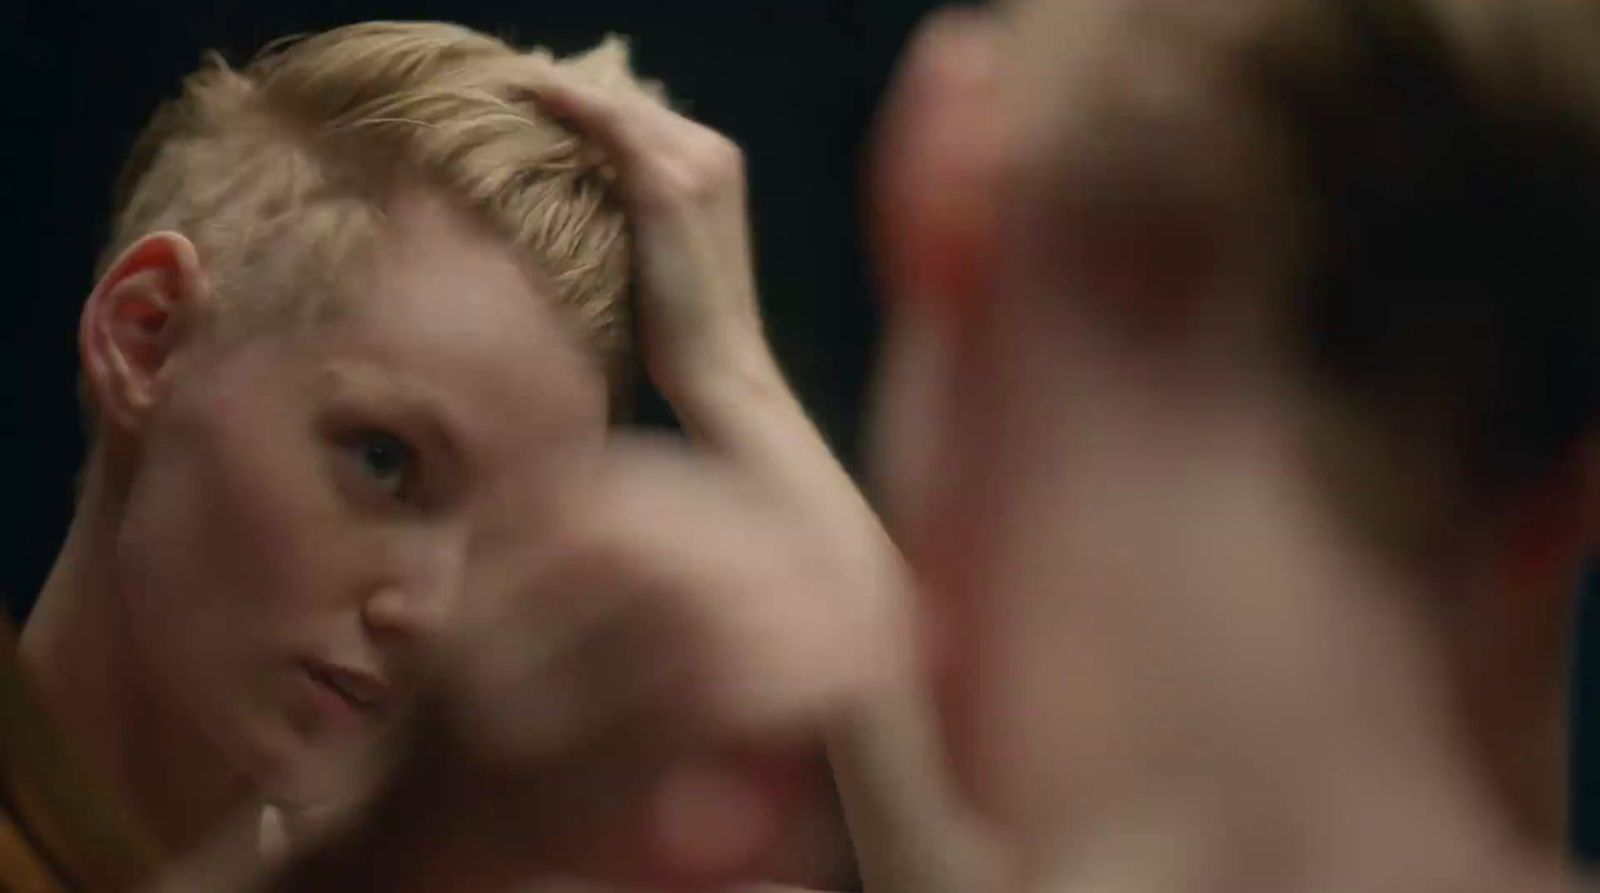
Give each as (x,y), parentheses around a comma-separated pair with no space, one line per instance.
(446,307)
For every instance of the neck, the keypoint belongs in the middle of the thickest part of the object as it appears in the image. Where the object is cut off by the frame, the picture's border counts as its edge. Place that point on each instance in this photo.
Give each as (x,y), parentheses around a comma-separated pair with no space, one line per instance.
(78,654)
(1311,736)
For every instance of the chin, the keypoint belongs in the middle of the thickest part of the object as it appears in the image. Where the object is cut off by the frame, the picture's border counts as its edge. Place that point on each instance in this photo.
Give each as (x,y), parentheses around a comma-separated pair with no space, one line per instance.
(308,779)
(287,768)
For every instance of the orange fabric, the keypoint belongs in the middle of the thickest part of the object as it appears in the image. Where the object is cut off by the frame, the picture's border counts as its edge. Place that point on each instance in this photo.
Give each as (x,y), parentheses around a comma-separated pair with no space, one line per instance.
(58,830)
(23,867)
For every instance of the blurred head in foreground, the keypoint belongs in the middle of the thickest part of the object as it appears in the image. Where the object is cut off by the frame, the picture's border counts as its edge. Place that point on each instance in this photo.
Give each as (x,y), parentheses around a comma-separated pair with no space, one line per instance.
(1244,365)
(354,331)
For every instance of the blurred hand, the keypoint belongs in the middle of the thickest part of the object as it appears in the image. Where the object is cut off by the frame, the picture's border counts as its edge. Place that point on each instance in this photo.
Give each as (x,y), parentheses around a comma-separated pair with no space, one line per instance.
(640,715)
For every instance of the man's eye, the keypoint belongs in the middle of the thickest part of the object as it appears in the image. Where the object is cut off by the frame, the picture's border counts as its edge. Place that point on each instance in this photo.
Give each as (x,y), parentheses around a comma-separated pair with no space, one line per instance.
(386,459)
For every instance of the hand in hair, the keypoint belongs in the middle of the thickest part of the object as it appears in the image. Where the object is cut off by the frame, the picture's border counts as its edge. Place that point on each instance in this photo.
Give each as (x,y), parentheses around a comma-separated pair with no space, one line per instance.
(684,188)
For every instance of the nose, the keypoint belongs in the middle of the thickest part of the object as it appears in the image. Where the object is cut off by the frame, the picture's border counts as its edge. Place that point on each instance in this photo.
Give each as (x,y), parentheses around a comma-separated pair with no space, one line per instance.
(400,616)
(416,606)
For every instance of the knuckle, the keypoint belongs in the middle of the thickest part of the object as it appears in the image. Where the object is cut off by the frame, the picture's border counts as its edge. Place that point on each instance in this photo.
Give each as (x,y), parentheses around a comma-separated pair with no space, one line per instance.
(707,168)
(717,161)
(721,154)
(691,182)
(675,187)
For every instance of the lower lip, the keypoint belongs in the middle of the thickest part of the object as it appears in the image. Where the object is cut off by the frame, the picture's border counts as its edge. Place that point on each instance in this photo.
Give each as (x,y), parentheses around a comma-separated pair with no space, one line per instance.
(330,706)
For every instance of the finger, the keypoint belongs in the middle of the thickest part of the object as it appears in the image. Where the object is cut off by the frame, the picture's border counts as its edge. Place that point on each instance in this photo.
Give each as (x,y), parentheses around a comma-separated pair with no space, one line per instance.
(627,123)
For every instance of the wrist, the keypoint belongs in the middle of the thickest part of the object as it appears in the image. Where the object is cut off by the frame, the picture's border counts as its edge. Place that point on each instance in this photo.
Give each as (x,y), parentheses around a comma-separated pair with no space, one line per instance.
(729,376)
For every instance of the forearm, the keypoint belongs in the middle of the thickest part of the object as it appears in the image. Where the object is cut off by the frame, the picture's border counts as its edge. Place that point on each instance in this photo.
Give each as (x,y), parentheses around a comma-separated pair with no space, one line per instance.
(740,407)
(910,834)
(736,402)
(888,763)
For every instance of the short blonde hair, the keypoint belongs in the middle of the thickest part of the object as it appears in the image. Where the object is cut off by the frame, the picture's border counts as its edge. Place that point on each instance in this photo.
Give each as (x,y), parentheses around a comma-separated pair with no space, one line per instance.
(291,158)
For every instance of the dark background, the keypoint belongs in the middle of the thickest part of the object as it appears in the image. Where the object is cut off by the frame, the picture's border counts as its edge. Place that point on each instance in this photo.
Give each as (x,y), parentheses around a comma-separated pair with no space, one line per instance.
(794,81)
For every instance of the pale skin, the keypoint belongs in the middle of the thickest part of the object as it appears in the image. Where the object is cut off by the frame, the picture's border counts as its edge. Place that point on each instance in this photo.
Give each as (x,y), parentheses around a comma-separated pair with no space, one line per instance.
(1155,688)
(1170,664)
(169,393)
(685,184)
(1201,681)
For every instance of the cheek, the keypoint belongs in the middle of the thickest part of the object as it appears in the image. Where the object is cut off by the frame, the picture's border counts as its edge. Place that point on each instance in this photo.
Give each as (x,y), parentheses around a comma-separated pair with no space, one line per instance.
(226,550)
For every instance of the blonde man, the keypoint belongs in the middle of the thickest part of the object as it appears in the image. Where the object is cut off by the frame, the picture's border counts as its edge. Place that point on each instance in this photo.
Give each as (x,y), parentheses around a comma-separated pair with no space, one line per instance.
(349,363)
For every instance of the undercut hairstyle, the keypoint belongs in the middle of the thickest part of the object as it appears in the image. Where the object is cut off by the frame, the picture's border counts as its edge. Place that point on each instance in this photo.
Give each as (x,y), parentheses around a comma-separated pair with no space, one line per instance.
(279,171)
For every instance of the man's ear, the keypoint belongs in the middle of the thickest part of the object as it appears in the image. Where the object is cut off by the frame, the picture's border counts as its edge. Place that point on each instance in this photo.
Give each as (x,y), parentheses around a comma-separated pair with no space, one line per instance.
(134,320)
(935,169)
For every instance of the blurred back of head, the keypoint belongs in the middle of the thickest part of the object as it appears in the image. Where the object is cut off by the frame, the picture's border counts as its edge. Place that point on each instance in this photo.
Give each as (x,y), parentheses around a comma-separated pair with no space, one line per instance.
(1189,297)
(1407,192)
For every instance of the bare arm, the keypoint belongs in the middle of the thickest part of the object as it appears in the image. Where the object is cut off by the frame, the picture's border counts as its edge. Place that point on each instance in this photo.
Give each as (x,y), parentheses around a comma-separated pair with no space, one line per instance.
(910,832)
(703,341)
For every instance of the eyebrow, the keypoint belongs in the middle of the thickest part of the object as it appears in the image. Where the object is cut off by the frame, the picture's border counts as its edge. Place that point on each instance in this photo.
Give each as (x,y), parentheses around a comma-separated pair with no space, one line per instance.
(418,405)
